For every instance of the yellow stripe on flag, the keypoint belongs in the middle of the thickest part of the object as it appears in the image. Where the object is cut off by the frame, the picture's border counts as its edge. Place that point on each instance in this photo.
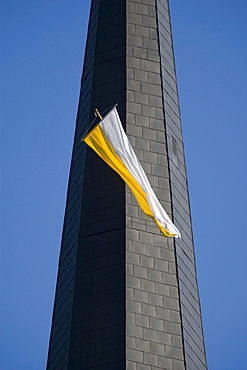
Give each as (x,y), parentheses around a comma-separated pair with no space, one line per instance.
(98,141)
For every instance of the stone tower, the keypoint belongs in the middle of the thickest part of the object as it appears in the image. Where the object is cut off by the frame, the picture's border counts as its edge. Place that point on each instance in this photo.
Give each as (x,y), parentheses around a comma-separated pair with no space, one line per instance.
(127,297)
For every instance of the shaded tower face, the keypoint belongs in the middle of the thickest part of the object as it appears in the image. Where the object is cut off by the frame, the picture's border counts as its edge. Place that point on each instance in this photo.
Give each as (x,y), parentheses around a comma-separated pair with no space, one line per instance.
(126,296)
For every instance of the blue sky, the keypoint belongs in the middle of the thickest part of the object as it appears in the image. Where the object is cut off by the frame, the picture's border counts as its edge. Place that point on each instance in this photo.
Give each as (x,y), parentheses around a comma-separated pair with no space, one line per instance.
(42,44)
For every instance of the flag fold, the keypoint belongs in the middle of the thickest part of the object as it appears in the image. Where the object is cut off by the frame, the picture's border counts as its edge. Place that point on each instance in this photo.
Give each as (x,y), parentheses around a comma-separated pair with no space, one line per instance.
(110,142)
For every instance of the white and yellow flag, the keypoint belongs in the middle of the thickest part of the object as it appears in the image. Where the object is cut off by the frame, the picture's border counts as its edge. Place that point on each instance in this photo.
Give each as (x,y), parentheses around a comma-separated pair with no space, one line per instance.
(110,142)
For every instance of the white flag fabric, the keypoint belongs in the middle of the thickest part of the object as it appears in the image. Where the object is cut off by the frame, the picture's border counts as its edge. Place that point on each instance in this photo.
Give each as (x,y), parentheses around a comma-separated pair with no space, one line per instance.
(110,142)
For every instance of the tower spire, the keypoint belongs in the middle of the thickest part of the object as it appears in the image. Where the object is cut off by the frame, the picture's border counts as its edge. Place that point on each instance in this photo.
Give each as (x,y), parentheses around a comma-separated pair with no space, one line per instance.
(126,297)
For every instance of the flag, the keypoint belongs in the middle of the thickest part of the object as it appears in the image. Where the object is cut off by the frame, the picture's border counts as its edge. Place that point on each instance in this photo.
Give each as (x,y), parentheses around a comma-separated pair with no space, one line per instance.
(110,142)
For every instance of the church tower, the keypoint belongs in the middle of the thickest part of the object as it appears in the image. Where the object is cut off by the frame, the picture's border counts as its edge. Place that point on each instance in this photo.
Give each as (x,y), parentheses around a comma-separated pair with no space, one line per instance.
(126,296)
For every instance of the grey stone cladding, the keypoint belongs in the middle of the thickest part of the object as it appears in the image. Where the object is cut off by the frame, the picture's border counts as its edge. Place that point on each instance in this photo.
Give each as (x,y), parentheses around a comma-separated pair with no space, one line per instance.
(190,305)
(127,297)
(62,312)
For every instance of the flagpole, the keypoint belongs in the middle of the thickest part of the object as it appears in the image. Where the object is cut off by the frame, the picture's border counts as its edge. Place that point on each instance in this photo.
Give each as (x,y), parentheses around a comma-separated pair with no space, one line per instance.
(97,113)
